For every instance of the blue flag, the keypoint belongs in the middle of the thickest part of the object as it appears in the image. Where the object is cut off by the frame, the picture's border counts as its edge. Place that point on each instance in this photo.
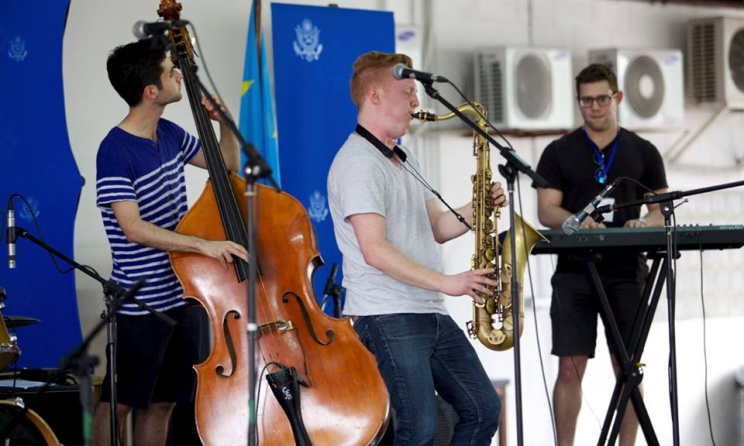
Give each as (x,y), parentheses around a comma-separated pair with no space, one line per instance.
(34,149)
(257,123)
(314,49)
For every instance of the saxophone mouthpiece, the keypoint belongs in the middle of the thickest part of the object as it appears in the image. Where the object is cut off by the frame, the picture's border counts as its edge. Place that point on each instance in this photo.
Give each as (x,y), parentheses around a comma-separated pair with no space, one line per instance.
(424,115)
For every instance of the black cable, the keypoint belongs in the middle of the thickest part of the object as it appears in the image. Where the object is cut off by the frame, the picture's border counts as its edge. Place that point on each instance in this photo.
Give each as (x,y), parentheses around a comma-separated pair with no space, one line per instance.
(672,281)
(705,348)
(508,143)
(41,234)
(579,377)
(200,54)
(534,317)
(639,184)
(481,115)
(420,178)
(258,393)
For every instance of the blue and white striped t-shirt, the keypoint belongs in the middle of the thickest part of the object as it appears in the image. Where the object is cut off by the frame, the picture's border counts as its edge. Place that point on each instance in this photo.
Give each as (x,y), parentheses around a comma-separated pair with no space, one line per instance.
(130,168)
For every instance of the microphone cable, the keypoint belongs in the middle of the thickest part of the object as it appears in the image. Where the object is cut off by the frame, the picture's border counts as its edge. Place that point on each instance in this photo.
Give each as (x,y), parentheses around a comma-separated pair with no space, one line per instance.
(534,318)
(41,234)
(529,268)
(705,347)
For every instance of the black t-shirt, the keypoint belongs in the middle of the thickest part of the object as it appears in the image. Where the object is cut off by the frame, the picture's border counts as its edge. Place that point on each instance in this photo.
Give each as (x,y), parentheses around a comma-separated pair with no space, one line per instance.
(568,165)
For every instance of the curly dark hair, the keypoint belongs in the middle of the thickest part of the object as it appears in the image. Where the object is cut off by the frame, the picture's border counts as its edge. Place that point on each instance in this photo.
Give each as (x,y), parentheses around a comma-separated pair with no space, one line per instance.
(134,66)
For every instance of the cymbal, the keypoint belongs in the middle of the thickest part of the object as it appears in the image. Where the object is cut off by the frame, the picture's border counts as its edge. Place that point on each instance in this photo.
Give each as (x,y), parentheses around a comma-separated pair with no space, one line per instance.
(19,321)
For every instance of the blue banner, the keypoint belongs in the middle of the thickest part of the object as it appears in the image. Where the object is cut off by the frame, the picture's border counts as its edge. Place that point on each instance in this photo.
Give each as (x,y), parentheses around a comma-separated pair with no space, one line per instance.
(37,163)
(256,106)
(314,50)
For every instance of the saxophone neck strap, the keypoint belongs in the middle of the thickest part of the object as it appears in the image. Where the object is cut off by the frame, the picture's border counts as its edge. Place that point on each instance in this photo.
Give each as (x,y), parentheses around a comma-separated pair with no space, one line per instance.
(379,145)
(366,134)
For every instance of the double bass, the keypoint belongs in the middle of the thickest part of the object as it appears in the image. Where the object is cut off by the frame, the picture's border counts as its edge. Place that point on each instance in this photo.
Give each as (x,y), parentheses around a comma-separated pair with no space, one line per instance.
(342,399)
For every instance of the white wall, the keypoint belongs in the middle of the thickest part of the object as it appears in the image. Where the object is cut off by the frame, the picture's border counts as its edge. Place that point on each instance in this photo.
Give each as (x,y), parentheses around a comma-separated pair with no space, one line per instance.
(581,25)
(454,30)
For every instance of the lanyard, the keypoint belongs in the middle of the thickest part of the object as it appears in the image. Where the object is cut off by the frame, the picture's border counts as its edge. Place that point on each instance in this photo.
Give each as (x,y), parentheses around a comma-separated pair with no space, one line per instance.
(601,175)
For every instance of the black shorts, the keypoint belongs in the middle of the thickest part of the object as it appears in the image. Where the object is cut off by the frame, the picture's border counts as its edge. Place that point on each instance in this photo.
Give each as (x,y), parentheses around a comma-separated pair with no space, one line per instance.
(575,309)
(154,360)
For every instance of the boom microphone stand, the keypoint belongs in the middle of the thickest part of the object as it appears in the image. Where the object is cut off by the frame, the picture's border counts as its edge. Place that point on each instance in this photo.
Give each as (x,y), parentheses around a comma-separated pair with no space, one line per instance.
(78,361)
(514,165)
(255,168)
(666,202)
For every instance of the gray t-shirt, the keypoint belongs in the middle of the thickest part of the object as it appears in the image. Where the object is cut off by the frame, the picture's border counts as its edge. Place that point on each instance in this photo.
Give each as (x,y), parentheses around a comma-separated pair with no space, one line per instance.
(362,180)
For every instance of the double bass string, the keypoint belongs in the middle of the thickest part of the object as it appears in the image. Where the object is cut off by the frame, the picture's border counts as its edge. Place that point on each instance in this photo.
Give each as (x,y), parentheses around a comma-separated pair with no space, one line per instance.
(234,227)
(233,221)
(284,327)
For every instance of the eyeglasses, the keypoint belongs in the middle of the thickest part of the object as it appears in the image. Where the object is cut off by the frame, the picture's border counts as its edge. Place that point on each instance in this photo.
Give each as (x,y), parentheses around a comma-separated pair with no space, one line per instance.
(601,100)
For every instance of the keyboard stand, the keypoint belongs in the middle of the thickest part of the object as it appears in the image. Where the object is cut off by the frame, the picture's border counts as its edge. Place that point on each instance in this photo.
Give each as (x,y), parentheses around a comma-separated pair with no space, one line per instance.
(631,368)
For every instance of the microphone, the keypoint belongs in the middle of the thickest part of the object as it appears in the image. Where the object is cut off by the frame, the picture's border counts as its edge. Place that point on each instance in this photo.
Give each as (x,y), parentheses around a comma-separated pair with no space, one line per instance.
(11,236)
(143,30)
(401,71)
(573,223)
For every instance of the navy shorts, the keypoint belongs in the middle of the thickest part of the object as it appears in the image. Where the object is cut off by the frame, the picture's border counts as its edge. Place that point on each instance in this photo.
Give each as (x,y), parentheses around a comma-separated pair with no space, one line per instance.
(154,360)
(575,309)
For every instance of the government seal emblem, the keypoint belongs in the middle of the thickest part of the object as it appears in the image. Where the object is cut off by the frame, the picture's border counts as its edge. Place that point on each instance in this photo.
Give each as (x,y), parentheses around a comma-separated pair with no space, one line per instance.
(318,209)
(17,50)
(308,45)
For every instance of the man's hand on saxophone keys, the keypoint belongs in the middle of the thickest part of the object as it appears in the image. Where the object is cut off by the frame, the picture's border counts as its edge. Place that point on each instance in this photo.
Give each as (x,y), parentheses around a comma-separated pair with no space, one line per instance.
(469,283)
(498,195)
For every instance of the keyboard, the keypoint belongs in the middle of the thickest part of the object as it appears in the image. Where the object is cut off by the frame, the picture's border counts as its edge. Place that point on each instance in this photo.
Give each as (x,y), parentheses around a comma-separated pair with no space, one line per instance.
(641,239)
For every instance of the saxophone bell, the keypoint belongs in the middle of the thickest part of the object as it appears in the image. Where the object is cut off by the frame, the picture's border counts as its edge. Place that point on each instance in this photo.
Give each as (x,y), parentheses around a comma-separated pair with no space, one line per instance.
(493,323)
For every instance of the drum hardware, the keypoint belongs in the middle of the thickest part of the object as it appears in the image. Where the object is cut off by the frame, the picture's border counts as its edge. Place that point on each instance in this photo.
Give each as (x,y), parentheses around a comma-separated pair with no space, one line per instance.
(26,426)
(9,350)
(11,346)
(78,361)
(19,321)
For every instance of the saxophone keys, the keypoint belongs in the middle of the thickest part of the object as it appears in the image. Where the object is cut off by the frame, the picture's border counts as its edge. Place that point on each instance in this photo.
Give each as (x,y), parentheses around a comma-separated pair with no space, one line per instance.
(489,254)
(471,329)
(496,337)
(508,323)
(491,305)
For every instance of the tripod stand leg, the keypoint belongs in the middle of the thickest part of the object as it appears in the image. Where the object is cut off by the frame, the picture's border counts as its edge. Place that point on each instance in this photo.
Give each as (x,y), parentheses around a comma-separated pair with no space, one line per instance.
(630,374)
(607,425)
(643,418)
(630,388)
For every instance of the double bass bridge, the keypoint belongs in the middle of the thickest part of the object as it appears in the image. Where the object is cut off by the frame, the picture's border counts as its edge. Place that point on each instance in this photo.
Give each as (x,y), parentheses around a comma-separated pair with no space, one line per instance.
(279,326)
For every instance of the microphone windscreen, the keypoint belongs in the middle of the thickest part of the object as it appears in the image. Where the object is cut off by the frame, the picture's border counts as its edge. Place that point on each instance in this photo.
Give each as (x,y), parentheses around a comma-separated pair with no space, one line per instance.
(398,70)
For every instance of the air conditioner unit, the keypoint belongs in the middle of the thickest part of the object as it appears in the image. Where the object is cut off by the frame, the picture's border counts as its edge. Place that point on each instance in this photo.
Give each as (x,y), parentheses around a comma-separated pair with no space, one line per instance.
(525,88)
(716,60)
(652,83)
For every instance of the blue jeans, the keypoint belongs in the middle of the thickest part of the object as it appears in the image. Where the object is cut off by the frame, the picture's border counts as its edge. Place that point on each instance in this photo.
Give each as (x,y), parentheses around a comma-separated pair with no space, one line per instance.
(420,353)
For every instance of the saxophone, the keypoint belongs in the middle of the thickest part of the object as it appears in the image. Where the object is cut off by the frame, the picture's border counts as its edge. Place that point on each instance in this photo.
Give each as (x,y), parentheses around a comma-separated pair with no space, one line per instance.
(485,226)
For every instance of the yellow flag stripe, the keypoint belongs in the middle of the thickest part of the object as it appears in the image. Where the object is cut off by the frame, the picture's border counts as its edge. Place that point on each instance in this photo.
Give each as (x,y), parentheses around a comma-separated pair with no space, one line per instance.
(246,86)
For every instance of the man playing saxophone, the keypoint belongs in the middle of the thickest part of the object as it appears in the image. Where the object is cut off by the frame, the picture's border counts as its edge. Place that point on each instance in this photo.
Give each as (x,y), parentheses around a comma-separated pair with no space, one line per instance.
(387,224)
(577,167)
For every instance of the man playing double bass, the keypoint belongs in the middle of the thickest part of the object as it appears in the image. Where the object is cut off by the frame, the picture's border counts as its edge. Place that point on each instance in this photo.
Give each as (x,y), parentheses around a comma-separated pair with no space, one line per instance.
(141,193)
